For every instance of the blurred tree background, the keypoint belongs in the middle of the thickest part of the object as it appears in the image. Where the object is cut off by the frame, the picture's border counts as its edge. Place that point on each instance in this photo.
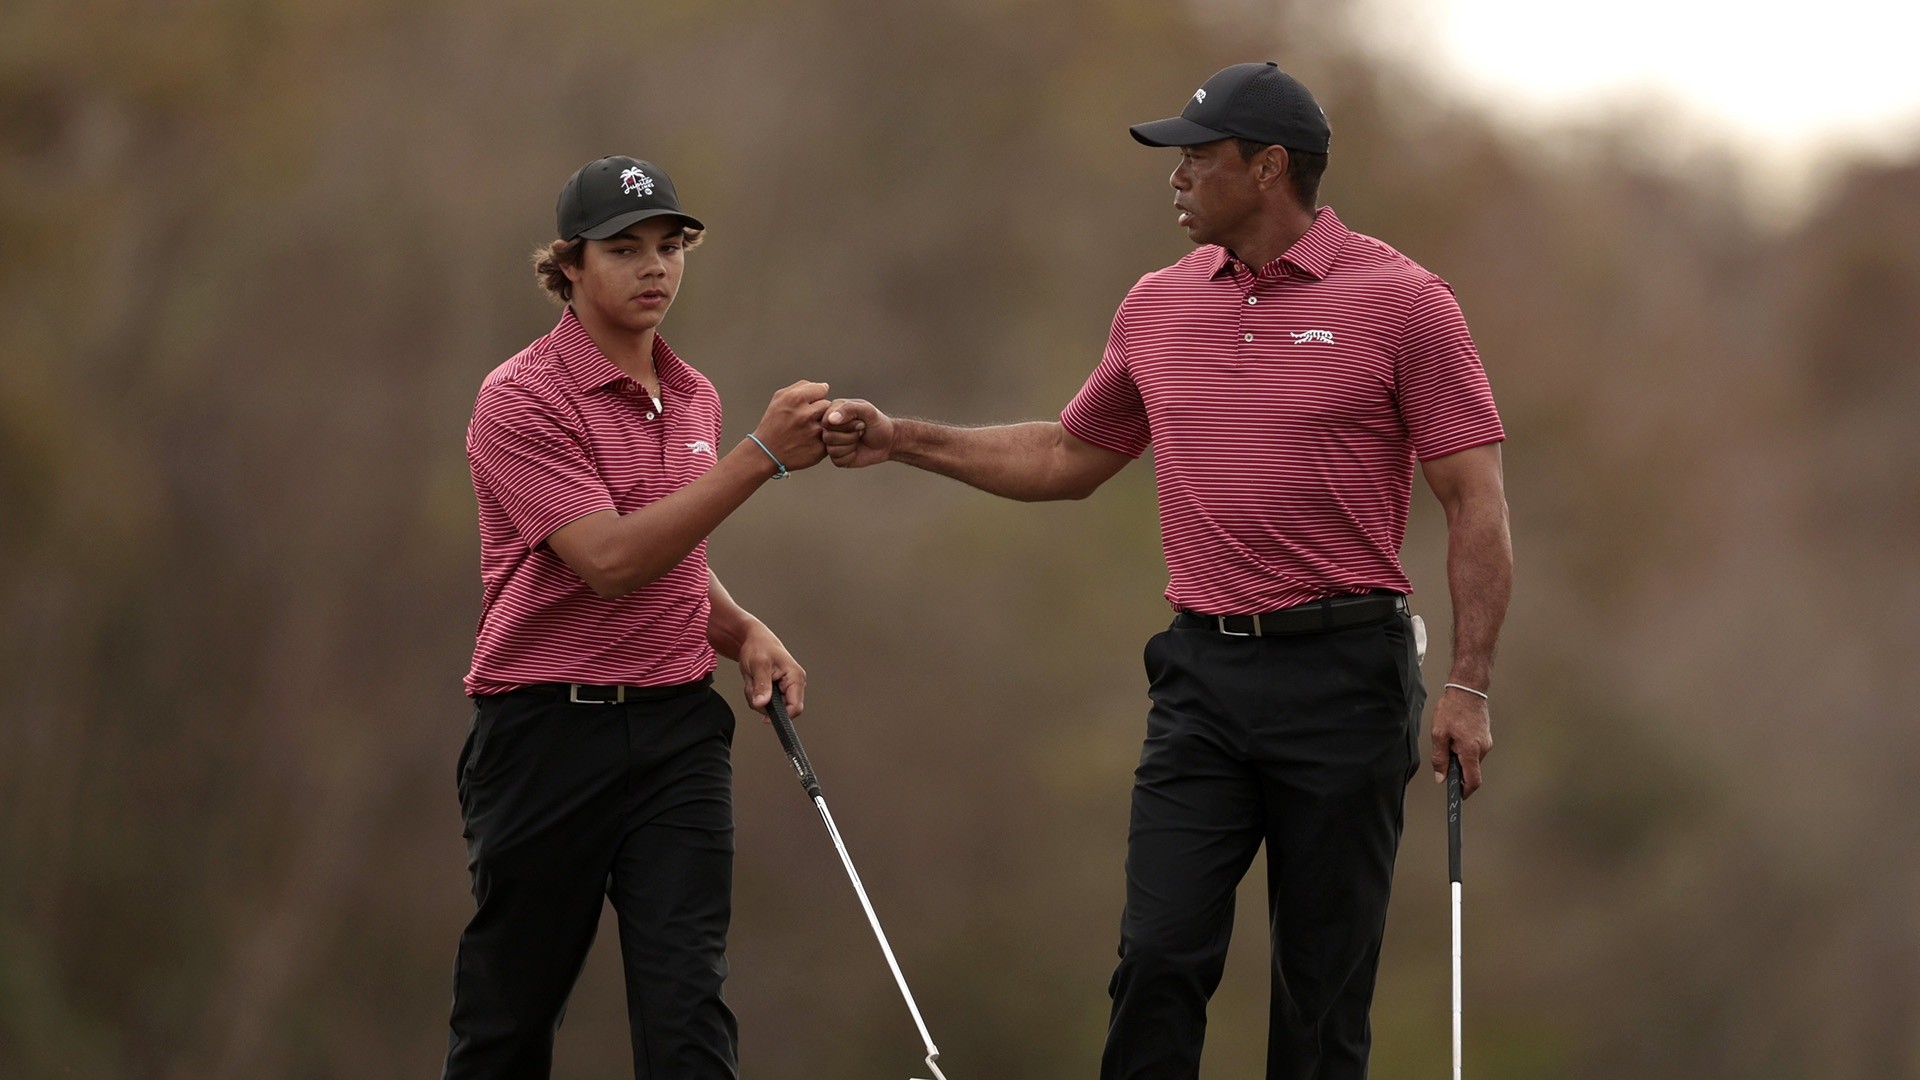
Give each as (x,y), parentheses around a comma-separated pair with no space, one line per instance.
(256,256)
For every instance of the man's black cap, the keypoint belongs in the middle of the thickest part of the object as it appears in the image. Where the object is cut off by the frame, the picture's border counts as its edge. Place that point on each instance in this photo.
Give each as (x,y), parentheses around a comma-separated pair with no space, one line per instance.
(1246,101)
(608,195)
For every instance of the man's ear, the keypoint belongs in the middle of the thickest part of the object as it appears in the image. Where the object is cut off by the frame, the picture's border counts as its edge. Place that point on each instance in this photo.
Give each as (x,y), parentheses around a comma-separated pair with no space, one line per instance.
(574,269)
(1270,166)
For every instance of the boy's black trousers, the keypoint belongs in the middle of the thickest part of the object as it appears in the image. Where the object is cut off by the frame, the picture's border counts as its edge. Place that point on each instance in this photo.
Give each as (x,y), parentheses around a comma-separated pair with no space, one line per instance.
(565,804)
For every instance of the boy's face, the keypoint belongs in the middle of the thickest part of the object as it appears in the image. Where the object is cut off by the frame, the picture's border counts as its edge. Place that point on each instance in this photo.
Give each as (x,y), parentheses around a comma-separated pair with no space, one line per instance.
(629,279)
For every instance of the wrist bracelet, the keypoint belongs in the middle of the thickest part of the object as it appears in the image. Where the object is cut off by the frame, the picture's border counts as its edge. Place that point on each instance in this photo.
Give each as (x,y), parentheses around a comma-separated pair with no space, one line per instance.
(1481,694)
(779,470)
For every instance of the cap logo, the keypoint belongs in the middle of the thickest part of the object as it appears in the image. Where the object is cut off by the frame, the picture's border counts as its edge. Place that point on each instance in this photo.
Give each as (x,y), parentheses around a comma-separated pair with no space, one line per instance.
(635,182)
(1200,95)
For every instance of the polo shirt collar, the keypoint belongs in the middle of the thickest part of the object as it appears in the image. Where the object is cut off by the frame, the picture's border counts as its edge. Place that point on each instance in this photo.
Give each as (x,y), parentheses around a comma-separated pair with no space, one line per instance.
(672,371)
(1313,254)
(589,369)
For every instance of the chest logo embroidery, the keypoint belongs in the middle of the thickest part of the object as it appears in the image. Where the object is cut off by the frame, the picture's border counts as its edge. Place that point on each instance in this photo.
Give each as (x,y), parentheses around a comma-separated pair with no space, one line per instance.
(700,446)
(1324,337)
(635,182)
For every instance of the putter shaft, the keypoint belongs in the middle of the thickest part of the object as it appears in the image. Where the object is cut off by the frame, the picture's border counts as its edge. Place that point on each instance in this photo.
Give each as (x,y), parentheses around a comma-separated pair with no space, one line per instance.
(797,754)
(1453,874)
(873,920)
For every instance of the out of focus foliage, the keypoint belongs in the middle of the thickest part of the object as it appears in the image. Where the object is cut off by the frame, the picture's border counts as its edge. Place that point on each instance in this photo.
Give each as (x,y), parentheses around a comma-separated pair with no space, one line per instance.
(255,258)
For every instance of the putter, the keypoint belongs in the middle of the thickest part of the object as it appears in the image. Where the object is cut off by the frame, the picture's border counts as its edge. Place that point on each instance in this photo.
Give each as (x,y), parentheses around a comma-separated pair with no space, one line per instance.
(1453,873)
(797,754)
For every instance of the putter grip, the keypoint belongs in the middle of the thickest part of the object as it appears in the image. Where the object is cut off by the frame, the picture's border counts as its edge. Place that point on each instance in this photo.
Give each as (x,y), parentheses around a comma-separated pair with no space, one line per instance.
(790,742)
(1453,817)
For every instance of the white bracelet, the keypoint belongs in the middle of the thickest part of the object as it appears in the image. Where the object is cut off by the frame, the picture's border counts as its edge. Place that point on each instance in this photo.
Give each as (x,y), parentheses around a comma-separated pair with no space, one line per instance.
(1481,694)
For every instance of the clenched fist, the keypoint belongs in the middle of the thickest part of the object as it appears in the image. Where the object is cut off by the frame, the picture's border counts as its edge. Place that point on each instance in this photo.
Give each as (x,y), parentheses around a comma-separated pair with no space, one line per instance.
(790,430)
(857,434)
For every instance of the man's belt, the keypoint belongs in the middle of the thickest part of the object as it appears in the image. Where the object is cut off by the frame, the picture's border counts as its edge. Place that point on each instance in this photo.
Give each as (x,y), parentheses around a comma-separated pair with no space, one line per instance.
(1333,613)
(587,694)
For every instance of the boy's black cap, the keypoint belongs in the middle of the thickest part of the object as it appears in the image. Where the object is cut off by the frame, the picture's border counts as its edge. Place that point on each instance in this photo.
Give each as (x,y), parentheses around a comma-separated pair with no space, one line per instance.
(1246,101)
(612,193)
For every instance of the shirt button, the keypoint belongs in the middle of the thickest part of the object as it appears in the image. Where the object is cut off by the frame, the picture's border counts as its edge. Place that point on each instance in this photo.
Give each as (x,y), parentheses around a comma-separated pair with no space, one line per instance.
(1248,337)
(649,416)
(1251,300)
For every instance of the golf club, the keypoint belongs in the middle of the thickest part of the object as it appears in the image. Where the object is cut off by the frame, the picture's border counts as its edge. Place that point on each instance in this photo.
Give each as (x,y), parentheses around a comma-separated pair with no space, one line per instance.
(1453,874)
(797,754)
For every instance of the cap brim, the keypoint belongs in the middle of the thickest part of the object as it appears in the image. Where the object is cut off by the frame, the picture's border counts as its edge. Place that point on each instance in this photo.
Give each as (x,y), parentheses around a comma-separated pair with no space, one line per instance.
(613,225)
(1176,131)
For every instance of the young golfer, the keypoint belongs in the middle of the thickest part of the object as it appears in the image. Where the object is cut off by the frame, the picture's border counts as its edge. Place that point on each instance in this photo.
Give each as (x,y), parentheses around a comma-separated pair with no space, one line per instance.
(598,764)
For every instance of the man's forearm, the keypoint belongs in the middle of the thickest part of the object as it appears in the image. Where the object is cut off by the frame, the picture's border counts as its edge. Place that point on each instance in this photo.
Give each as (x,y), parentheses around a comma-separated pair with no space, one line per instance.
(1027,462)
(1480,578)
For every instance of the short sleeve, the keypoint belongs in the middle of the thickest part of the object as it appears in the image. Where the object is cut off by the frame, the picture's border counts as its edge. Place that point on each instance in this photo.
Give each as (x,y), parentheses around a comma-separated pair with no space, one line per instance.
(1445,400)
(528,462)
(1108,411)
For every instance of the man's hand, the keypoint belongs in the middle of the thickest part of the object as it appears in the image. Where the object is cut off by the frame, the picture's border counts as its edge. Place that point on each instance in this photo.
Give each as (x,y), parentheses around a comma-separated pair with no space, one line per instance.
(791,427)
(763,662)
(1461,725)
(857,434)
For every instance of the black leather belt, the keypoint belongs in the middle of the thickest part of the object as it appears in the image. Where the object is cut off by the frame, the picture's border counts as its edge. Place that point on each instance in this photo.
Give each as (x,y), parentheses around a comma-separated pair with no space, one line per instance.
(1333,613)
(587,694)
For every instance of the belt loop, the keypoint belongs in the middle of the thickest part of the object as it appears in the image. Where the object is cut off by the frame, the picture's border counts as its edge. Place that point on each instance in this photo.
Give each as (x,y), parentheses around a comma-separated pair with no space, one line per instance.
(1256,626)
(1326,613)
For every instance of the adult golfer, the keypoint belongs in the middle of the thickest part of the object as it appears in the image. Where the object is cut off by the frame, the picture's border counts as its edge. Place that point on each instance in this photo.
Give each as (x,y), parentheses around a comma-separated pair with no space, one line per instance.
(598,762)
(1288,373)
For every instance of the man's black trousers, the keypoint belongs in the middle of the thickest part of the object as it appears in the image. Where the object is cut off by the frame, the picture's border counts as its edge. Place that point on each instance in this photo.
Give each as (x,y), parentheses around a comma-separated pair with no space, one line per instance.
(1303,742)
(565,804)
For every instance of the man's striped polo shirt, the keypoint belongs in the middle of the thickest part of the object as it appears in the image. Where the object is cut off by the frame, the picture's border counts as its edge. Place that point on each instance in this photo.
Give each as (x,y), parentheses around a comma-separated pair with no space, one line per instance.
(559,432)
(1286,408)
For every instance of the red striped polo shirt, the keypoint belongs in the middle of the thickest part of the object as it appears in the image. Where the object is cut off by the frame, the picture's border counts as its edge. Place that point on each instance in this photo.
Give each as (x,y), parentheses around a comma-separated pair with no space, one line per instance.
(558,433)
(1286,408)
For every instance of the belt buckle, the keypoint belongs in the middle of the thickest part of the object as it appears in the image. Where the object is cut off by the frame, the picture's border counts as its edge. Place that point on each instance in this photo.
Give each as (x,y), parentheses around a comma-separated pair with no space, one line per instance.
(1220,623)
(573,696)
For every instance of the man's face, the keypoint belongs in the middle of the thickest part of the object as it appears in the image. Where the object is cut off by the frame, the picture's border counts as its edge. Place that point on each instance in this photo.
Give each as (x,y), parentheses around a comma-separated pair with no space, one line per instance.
(1215,192)
(630,279)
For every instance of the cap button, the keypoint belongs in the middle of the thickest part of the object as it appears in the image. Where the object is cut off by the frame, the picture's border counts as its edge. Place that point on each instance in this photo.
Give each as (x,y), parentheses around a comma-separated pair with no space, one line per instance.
(1272,64)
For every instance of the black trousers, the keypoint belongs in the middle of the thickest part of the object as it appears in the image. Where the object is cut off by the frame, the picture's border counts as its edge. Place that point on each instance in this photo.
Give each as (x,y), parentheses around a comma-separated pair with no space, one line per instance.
(567,803)
(1303,742)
